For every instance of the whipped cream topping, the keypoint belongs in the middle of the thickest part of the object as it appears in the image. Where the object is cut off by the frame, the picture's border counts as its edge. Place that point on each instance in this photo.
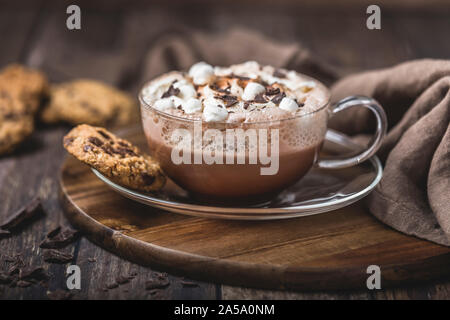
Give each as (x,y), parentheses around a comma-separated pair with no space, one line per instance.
(244,92)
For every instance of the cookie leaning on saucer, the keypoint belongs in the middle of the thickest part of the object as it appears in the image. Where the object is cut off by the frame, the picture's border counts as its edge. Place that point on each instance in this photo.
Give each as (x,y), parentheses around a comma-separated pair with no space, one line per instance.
(115,158)
(89,101)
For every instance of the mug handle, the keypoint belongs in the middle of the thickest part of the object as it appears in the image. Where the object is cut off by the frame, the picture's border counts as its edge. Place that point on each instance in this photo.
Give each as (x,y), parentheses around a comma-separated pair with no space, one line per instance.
(381,128)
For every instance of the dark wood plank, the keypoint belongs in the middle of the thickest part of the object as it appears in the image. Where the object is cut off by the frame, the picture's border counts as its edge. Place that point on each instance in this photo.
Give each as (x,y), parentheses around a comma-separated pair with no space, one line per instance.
(100,268)
(15,43)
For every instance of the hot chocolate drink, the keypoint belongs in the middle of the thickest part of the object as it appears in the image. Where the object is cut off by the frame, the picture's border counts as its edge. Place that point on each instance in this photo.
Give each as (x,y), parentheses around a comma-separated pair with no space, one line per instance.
(235,131)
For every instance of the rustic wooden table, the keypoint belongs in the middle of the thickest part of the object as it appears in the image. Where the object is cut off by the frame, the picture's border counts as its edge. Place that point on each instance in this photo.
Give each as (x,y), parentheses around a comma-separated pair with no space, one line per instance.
(110,47)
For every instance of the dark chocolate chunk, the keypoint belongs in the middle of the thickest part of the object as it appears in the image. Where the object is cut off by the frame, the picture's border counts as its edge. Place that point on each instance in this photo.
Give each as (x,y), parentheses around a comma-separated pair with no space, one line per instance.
(277,99)
(124,151)
(172,91)
(25,214)
(229,99)
(122,279)
(246,105)
(279,73)
(56,256)
(60,240)
(95,141)
(112,285)
(155,293)
(156,283)
(260,99)
(16,264)
(33,274)
(124,144)
(227,90)
(87,148)
(54,232)
(108,149)
(68,141)
(215,87)
(230,102)
(272,91)
(59,295)
(104,134)
(148,179)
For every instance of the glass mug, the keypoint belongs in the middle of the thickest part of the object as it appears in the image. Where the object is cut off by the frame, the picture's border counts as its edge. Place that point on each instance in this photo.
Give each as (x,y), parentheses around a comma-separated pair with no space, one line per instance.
(185,149)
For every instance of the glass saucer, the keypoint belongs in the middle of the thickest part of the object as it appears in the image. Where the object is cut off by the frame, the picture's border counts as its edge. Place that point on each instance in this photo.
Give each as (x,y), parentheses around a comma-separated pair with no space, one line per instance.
(319,191)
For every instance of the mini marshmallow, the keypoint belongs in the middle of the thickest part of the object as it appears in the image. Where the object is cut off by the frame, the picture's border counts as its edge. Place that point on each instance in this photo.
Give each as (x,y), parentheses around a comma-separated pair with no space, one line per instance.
(187,91)
(213,112)
(163,104)
(252,90)
(176,101)
(208,93)
(288,104)
(192,106)
(235,89)
(201,73)
(251,65)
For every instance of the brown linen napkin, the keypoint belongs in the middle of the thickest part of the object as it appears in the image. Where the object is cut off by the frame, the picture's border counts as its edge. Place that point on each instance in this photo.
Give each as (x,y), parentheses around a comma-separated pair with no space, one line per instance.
(413,196)
(414,193)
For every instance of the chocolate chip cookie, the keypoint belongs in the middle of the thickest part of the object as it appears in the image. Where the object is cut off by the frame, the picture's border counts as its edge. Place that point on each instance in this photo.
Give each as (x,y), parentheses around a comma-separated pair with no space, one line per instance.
(22,91)
(25,84)
(90,102)
(16,122)
(116,158)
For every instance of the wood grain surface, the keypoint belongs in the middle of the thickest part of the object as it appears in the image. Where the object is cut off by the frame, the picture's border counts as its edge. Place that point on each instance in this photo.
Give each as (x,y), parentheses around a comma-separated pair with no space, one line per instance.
(111,46)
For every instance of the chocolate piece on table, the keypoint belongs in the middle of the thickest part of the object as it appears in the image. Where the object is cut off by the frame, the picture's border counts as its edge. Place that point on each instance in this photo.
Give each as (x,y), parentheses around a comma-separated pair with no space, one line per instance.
(56,256)
(25,214)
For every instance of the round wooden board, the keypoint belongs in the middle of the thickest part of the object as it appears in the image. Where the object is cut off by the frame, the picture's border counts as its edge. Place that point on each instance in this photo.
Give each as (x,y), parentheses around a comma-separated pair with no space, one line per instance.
(330,251)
